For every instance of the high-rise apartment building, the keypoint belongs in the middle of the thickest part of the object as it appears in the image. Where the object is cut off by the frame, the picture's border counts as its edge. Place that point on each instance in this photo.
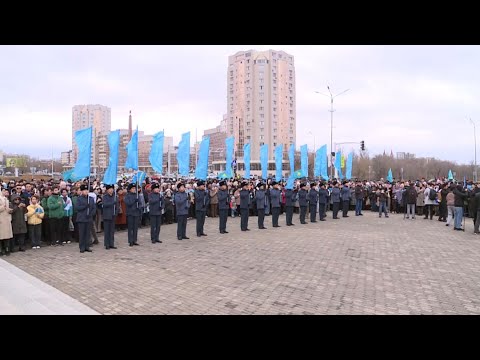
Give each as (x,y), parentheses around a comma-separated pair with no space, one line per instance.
(261,101)
(83,116)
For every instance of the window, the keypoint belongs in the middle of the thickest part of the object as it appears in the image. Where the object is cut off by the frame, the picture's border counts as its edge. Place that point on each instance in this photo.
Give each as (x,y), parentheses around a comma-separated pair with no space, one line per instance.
(261,101)
(274,81)
(274,130)
(262,137)
(261,87)
(248,54)
(260,94)
(291,112)
(262,123)
(274,88)
(274,109)
(291,131)
(248,123)
(291,105)
(274,116)
(262,143)
(274,102)
(260,108)
(262,116)
(274,75)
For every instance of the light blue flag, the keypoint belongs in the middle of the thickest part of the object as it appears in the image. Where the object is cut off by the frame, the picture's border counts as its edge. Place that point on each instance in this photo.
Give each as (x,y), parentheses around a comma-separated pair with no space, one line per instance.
(139,177)
(338,164)
(222,175)
(348,171)
(291,158)
(229,158)
(323,162)
(132,152)
(246,159)
(156,152)
(317,163)
(68,175)
(450,175)
(264,160)
(390,176)
(278,162)
(83,138)
(183,155)
(304,159)
(298,174)
(201,171)
(110,177)
(290,182)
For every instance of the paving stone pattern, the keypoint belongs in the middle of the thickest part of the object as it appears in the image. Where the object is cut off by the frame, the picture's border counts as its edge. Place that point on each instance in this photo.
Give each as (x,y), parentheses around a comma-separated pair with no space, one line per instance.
(355,265)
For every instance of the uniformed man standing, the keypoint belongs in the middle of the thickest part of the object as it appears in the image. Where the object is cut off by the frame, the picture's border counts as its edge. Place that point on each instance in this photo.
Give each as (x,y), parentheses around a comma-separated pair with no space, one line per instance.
(223,206)
(302,201)
(133,214)
(275,195)
(335,200)
(290,198)
(313,201)
(244,206)
(260,199)
(86,208)
(202,201)
(182,204)
(156,205)
(110,205)
(322,201)
(345,194)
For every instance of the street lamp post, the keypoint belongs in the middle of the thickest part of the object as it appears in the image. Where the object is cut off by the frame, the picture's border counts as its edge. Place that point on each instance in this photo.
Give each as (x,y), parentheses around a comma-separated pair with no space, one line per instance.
(475,141)
(331,122)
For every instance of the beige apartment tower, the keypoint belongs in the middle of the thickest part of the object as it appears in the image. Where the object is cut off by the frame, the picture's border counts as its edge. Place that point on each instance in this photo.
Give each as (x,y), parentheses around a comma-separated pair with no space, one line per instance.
(261,101)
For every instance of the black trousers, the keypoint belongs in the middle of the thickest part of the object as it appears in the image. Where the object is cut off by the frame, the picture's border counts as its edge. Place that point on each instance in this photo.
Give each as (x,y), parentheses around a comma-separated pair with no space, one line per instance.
(275,215)
(313,213)
(17,239)
(336,207)
(244,219)
(223,213)
(155,225)
(289,214)
(321,210)
(346,205)
(429,211)
(64,232)
(303,213)
(261,218)
(35,234)
(181,226)
(132,225)
(108,233)
(84,235)
(443,210)
(200,216)
(46,230)
(55,229)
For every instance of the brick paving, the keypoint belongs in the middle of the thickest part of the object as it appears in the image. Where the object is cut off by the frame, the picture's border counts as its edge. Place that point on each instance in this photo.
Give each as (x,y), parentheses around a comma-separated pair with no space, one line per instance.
(355,265)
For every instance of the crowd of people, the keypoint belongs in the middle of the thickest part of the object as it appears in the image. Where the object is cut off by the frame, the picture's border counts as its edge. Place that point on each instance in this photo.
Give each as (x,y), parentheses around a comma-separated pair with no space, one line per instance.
(56,213)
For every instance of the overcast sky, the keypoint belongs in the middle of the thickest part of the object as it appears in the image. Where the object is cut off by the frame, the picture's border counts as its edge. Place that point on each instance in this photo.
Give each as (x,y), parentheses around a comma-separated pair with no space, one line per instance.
(402,98)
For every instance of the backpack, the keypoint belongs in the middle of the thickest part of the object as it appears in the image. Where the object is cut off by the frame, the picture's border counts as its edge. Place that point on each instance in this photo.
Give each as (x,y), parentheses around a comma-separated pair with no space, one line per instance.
(432,195)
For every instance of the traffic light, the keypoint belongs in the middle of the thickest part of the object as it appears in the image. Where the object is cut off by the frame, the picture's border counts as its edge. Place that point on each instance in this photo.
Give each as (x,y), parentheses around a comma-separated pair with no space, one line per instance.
(362,145)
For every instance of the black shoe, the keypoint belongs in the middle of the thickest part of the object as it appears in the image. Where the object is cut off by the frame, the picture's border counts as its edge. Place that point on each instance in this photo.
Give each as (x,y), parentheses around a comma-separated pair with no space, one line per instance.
(21,249)
(203,234)
(247,229)
(360,214)
(154,242)
(107,248)
(7,253)
(113,247)
(95,242)
(314,221)
(222,232)
(345,216)
(130,244)
(225,232)
(179,238)
(136,244)
(186,238)
(159,241)
(82,251)
(199,235)
(292,224)
(88,250)
(447,224)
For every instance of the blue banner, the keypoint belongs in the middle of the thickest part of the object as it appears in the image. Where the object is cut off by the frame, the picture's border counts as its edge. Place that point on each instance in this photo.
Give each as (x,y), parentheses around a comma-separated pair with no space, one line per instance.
(156,152)
(222,175)
(390,176)
(132,152)
(68,175)
(338,164)
(139,177)
(83,138)
(229,142)
(264,160)
(317,163)
(290,182)
(201,171)
(246,159)
(291,158)
(183,155)
(450,175)
(304,160)
(323,162)
(110,177)
(278,162)
(298,174)
(348,171)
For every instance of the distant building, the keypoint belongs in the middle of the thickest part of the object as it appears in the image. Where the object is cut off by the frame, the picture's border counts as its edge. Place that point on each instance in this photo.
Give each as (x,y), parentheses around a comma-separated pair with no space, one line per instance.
(66,157)
(405,156)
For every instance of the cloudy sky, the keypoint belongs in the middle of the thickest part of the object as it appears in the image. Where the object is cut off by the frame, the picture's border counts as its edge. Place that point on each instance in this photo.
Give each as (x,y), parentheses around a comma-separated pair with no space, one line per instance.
(403,98)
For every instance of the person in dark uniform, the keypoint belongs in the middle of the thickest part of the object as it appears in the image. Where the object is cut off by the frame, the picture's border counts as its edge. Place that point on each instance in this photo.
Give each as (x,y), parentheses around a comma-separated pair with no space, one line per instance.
(202,202)
(261,201)
(244,206)
(86,208)
(313,201)
(156,204)
(322,201)
(290,198)
(336,200)
(345,194)
(302,201)
(134,213)
(223,206)
(275,200)
(182,204)
(110,207)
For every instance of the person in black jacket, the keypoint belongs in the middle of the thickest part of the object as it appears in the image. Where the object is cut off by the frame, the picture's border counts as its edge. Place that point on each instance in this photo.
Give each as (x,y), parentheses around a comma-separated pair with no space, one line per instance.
(244,206)
(322,201)
(134,213)
(86,208)
(290,198)
(156,204)
(410,197)
(460,196)
(261,202)
(303,203)
(345,195)
(182,205)
(110,205)
(275,200)
(223,206)
(443,203)
(202,202)
(359,195)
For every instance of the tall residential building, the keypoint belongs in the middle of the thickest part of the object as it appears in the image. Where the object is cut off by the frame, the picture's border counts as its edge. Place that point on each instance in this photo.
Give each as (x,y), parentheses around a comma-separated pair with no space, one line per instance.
(261,101)
(65,157)
(217,143)
(83,116)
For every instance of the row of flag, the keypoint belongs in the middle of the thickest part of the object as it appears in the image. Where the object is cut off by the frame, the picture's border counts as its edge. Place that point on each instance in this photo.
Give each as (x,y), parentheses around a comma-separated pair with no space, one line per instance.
(83,139)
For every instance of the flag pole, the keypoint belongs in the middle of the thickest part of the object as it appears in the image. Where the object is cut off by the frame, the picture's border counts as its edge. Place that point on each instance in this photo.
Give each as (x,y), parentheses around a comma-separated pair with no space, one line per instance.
(137,169)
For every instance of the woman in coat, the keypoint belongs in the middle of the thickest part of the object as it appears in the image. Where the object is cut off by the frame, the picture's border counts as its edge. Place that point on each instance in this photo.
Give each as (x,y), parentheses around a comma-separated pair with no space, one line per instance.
(19,226)
(6,232)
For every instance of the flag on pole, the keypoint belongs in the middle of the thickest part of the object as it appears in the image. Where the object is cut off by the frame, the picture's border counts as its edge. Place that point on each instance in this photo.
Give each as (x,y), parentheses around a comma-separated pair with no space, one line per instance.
(110,177)
(323,162)
(450,175)
(390,176)
(298,174)
(264,160)
(83,138)
(246,159)
(229,142)
(139,177)
(201,170)
(278,162)
(290,181)
(132,152)
(348,171)
(156,152)
(338,164)
(183,154)
(291,158)
(222,175)
(304,159)
(342,164)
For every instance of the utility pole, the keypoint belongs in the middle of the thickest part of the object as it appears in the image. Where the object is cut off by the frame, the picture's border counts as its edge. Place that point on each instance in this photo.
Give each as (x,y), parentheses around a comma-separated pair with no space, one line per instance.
(475,141)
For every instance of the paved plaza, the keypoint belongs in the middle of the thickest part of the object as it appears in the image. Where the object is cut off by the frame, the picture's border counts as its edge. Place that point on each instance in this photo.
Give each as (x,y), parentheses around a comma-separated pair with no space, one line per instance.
(355,265)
